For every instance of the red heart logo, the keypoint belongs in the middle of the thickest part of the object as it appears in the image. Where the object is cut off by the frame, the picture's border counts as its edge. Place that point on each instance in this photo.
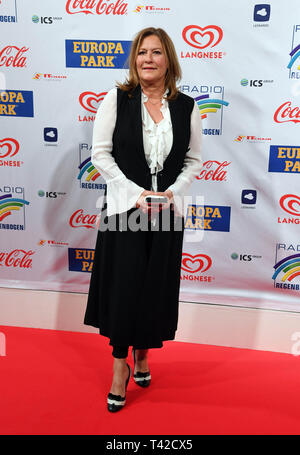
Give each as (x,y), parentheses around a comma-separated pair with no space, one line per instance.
(196,263)
(191,32)
(10,145)
(88,100)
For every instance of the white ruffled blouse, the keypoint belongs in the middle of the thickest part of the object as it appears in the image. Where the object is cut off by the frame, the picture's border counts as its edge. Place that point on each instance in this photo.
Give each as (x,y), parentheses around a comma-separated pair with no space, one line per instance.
(122,193)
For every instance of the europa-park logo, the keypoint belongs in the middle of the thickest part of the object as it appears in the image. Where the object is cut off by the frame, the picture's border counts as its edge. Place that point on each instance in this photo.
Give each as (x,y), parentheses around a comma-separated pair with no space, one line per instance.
(290,203)
(202,42)
(9,147)
(90,101)
(13,56)
(195,267)
(16,258)
(118,7)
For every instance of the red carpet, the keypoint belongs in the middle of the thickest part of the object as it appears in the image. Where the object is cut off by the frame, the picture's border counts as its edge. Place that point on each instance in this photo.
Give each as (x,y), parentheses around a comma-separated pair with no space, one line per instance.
(55,382)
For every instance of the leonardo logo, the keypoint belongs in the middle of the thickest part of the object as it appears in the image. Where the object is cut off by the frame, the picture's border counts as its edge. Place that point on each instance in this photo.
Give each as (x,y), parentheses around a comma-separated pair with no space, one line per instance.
(202,38)
(208,218)
(97,54)
(195,266)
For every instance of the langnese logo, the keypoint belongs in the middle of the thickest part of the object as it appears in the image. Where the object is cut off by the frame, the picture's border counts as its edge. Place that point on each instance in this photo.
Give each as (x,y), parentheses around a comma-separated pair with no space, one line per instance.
(211,104)
(88,174)
(106,7)
(80,219)
(287,113)
(80,259)
(251,139)
(13,56)
(214,170)
(294,61)
(8,12)
(16,258)
(12,208)
(16,103)
(284,158)
(9,147)
(208,218)
(287,267)
(195,268)
(90,101)
(290,203)
(97,54)
(202,38)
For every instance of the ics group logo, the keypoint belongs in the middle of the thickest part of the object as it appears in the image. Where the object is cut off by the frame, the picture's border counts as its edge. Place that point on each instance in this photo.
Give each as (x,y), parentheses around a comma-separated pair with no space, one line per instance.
(106,7)
(287,267)
(211,104)
(256,83)
(47,20)
(208,218)
(13,56)
(16,103)
(16,258)
(9,147)
(284,158)
(214,170)
(88,174)
(80,259)
(50,194)
(290,203)
(287,113)
(12,208)
(244,257)
(203,38)
(294,62)
(195,268)
(97,54)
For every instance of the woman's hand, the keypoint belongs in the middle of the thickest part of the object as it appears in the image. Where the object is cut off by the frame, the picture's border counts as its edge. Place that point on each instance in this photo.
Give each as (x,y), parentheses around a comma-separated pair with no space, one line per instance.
(152,208)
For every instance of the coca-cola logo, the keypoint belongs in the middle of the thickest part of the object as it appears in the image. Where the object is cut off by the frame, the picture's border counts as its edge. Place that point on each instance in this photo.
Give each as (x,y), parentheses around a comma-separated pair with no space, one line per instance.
(13,56)
(214,170)
(291,204)
(285,113)
(118,7)
(195,263)
(211,34)
(91,100)
(17,258)
(8,146)
(79,219)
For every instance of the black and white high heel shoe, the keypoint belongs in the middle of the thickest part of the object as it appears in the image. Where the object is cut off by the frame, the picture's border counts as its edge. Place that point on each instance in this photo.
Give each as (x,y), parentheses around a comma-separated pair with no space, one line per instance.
(116,402)
(141,379)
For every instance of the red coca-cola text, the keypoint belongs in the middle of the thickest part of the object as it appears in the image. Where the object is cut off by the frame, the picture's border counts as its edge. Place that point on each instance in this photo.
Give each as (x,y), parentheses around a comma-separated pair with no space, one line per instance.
(17,258)
(78,219)
(214,170)
(96,7)
(286,114)
(13,56)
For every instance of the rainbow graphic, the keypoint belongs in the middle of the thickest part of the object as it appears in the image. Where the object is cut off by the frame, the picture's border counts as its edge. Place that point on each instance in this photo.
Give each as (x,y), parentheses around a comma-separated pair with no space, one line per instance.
(9,203)
(290,266)
(294,55)
(87,166)
(207,104)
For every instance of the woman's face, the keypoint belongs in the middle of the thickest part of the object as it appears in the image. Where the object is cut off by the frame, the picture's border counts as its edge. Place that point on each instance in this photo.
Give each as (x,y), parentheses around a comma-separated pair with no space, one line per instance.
(151,61)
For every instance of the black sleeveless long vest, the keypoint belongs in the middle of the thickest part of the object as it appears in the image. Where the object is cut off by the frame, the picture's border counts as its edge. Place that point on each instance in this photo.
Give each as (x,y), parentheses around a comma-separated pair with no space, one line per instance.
(134,287)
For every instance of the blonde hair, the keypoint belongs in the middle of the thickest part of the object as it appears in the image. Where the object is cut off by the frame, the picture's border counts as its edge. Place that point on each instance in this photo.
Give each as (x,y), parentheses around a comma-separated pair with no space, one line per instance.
(173,73)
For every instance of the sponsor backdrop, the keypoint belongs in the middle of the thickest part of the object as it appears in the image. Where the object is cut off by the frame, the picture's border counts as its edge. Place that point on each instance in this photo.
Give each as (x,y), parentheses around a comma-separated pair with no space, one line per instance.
(240,62)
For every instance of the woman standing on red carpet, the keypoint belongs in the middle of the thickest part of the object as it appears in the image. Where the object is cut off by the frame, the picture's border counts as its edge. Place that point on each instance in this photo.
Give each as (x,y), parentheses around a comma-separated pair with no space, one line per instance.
(146,141)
